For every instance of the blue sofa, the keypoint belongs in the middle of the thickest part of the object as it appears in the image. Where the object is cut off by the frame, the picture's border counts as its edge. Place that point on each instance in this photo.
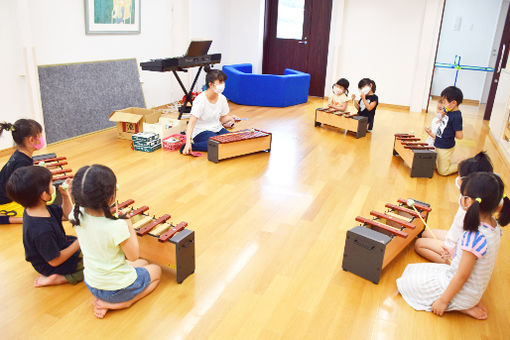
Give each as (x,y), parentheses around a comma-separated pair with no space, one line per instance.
(245,88)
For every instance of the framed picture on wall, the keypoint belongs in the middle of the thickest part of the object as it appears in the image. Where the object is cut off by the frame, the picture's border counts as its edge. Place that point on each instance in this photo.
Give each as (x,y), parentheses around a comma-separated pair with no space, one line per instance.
(112,16)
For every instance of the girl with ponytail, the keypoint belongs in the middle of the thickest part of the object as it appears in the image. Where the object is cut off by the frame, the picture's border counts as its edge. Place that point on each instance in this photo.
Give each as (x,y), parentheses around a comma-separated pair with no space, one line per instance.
(459,286)
(113,273)
(27,137)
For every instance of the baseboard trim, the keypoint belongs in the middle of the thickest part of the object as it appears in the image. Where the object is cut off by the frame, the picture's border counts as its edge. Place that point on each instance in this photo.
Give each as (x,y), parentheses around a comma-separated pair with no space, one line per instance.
(7,151)
(472,102)
(394,107)
(10,150)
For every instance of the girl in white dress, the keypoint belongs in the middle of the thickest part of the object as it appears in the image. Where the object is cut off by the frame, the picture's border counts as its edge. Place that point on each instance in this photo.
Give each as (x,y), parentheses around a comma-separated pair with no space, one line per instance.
(459,286)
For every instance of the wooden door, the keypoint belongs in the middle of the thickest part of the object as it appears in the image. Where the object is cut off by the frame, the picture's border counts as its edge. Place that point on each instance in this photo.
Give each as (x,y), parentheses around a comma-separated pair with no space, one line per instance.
(501,61)
(296,36)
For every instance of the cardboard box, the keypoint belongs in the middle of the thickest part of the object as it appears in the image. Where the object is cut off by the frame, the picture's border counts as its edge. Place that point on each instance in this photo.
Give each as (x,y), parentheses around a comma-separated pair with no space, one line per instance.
(130,121)
(166,127)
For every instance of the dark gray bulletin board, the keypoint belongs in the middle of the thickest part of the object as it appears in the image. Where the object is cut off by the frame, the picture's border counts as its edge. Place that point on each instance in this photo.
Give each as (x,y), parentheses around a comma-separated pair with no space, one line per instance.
(78,98)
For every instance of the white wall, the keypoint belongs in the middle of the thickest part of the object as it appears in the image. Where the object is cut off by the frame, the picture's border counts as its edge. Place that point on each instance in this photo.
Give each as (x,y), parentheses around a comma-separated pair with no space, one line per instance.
(472,39)
(235,27)
(13,90)
(388,48)
(57,31)
(394,46)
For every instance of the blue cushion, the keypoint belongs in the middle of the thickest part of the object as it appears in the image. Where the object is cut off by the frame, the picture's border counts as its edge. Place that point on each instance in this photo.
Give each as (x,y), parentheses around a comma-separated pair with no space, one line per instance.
(245,88)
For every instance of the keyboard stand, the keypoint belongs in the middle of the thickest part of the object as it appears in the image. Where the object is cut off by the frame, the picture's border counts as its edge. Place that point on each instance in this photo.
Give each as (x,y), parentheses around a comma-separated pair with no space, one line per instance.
(188,99)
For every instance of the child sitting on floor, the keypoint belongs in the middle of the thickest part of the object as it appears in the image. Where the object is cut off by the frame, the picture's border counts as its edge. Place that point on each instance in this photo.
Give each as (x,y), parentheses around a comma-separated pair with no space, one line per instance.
(108,243)
(26,133)
(459,286)
(53,254)
(430,248)
(339,99)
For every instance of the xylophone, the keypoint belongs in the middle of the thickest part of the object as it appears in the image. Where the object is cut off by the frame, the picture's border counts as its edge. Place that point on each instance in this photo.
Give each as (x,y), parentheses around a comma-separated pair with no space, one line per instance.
(342,120)
(160,241)
(55,165)
(419,156)
(371,246)
(238,143)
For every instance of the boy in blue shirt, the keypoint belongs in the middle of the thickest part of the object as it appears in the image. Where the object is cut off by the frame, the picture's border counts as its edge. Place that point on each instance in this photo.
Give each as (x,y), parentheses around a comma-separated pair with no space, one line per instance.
(450,127)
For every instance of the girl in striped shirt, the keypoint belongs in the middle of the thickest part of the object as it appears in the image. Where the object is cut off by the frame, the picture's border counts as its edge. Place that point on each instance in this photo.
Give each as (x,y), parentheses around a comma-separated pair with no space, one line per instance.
(459,286)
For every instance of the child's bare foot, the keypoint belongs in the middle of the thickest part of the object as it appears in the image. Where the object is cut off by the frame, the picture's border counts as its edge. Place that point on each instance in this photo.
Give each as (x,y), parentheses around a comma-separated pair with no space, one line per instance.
(101,307)
(52,280)
(483,307)
(99,310)
(475,312)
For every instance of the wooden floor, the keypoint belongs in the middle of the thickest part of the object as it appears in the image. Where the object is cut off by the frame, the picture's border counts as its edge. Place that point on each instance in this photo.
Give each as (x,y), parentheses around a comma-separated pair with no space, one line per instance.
(270,232)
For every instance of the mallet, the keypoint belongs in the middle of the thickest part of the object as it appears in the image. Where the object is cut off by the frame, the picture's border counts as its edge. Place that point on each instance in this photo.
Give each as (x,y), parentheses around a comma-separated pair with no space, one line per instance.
(410,203)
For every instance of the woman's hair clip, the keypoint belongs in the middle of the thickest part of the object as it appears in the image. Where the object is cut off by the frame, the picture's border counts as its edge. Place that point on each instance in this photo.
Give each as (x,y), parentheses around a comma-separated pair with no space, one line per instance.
(117,186)
(504,196)
(12,129)
(478,199)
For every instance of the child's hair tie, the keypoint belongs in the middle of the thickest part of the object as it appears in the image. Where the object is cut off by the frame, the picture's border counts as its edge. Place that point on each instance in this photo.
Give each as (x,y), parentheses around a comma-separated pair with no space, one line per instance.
(478,199)
(504,196)
(12,128)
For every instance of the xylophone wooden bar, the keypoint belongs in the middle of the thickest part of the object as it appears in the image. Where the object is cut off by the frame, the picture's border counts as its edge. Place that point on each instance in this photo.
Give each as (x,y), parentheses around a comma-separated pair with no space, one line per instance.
(401,209)
(382,226)
(416,155)
(419,147)
(57,180)
(55,165)
(353,123)
(122,205)
(238,143)
(171,232)
(60,171)
(145,230)
(371,247)
(177,251)
(135,212)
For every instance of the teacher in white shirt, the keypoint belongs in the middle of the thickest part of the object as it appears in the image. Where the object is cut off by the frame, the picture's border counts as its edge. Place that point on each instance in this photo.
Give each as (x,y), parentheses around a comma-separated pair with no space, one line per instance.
(209,114)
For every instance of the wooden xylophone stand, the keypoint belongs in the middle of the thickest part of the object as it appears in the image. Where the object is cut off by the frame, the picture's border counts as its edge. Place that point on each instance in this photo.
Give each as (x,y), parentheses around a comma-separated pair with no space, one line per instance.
(371,246)
(417,155)
(346,121)
(238,143)
(161,242)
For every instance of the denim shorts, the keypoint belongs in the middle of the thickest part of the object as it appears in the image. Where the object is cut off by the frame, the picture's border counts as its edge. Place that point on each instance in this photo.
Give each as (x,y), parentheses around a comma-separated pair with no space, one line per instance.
(143,280)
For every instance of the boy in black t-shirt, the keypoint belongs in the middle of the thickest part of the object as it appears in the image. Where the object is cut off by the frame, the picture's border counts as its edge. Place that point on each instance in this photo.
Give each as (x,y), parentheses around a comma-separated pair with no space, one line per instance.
(55,255)
(450,127)
(368,101)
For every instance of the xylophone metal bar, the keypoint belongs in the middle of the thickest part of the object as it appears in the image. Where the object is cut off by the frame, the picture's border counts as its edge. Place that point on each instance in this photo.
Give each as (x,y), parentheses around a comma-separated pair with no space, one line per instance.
(420,206)
(393,219)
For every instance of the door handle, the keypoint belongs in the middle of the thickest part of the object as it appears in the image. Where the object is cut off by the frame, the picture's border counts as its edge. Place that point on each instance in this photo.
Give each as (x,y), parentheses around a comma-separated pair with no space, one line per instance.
(304,42)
